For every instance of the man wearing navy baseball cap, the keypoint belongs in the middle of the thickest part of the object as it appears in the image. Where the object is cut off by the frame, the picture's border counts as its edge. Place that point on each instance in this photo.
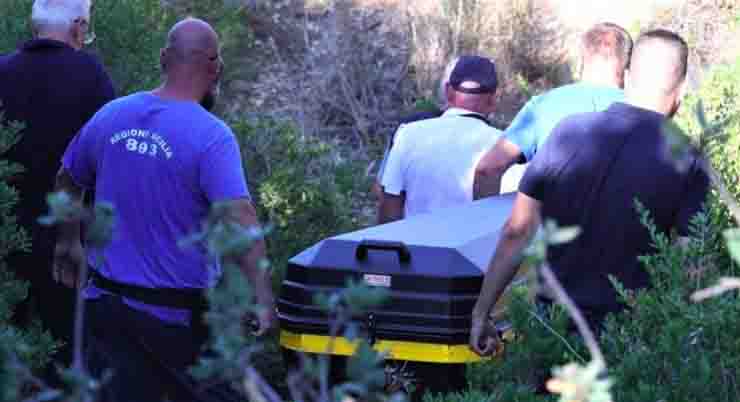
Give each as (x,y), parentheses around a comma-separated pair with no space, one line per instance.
(432,162)
(474,75)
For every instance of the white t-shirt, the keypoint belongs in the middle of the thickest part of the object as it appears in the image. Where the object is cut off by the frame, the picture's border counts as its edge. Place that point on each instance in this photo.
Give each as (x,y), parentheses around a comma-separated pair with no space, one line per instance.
(434,160)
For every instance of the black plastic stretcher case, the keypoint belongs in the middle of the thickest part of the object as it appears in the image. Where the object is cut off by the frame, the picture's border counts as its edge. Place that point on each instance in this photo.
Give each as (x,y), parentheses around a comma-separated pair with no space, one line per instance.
(433,266)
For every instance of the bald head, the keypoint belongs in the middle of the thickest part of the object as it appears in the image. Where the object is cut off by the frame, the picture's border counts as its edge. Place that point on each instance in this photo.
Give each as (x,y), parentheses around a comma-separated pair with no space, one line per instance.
(192,62)
(659,62)
(189,39)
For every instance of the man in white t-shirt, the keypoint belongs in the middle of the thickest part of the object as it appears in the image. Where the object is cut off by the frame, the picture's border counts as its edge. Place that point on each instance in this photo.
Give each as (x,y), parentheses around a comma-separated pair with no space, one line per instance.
(432,162)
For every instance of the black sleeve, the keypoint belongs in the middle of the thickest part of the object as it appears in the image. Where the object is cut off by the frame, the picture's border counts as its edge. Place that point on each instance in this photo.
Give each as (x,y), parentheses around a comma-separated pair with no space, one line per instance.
(104,91)
(695,194)
(544,164)
(534,181)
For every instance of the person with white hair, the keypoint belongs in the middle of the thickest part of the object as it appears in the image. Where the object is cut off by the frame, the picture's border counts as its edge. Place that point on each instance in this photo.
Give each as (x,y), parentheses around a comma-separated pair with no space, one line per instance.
(53,88)
(67,21)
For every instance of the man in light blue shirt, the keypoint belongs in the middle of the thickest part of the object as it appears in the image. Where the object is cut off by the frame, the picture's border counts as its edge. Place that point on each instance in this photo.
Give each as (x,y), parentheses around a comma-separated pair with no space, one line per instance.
(605,49)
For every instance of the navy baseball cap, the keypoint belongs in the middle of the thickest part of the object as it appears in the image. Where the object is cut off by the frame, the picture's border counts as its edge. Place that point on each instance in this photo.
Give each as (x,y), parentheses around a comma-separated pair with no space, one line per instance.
(474,75)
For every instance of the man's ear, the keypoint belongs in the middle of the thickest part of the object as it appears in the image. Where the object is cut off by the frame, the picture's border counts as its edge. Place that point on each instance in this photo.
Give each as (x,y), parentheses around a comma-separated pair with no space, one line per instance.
(163,59)
(77,35)
(492,97)
(34,30)
(449,94)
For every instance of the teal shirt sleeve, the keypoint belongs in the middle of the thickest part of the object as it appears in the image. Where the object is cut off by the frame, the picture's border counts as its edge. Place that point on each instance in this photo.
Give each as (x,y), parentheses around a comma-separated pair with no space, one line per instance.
(524,131)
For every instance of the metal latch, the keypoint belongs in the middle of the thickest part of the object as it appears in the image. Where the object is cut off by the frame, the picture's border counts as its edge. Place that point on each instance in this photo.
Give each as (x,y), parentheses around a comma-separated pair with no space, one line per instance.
(370,324)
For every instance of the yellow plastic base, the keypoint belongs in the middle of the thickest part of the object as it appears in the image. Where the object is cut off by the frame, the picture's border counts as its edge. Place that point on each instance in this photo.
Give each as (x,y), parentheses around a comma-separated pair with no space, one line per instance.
(395,350)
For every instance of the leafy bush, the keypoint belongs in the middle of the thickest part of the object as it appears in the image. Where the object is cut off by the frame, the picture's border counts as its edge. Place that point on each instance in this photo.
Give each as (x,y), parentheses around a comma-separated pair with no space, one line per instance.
(720,97)
(129,34)
(304,189)
(30,347)
(14,27)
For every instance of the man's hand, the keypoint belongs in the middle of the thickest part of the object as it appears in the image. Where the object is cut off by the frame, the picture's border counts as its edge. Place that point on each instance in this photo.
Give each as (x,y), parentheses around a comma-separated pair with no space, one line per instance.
(266,320)
(491,168)
(391,207)
(484,339)
(250,263)
(69,256)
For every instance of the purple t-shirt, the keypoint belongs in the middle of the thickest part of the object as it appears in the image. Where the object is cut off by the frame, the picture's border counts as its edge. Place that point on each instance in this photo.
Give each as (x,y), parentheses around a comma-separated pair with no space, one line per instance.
(161,163)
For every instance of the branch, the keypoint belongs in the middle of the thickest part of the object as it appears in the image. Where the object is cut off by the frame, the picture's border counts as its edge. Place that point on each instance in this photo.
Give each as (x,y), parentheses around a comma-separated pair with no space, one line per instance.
(724,193)
(562,297)
(257,389)
(725,285)
(269,393)
(79,323)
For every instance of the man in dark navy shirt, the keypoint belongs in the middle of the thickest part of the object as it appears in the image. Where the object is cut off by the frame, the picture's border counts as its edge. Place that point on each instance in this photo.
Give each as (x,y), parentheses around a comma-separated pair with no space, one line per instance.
(53,88)
(589,173)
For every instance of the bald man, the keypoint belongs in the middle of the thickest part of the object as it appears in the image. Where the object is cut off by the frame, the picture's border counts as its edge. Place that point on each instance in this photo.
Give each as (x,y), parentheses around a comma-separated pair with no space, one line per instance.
(163,161)
(590,173)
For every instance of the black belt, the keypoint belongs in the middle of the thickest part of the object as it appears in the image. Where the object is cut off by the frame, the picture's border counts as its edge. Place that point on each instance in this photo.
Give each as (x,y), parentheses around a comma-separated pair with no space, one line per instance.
(189,299)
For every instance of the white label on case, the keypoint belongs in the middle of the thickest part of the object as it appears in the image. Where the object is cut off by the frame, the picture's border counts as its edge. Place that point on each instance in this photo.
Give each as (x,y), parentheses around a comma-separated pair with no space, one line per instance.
(377,280)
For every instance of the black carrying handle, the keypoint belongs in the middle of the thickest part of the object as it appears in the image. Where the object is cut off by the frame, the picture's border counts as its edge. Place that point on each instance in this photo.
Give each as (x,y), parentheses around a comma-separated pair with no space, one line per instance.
(403,252)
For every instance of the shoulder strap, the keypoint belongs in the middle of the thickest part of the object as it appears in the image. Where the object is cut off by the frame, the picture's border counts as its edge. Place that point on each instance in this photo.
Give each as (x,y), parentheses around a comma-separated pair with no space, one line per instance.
(477,117)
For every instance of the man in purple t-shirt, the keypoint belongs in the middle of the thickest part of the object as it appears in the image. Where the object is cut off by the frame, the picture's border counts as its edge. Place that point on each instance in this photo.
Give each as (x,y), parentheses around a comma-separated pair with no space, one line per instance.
(162,161)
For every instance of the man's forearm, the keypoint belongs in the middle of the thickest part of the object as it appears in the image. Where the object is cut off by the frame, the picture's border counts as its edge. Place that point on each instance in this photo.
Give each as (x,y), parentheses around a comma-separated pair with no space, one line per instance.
(502,269)
(486,185)
(491,168)
(260,278)
(250,263)
(69,230)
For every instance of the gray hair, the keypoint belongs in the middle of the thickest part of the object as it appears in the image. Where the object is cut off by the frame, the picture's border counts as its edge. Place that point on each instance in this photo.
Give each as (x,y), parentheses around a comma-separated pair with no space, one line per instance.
(442,94)
(58,15)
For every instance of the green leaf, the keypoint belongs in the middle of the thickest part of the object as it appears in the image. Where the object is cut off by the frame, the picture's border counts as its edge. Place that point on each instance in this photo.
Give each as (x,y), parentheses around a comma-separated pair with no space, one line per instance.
(564,235)
(700,114)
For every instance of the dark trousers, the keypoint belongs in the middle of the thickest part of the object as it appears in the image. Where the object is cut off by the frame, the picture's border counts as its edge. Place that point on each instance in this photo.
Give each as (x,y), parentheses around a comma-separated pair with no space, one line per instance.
(148,358)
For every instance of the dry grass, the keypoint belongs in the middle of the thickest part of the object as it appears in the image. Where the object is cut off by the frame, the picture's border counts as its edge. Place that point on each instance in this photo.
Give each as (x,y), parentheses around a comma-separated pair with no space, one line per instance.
(523,38)
(348,69)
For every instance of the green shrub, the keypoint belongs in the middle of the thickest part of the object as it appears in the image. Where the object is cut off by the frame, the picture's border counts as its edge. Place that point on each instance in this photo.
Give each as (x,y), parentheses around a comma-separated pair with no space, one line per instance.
(720,96)
(304,189)
(14,27)
(129,35)
(134,64)
(31,346)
